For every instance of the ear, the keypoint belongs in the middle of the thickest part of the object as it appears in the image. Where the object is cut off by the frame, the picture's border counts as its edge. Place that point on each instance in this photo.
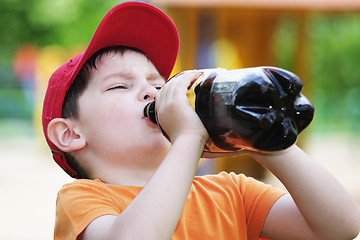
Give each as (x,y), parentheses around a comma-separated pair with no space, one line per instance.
(65,135)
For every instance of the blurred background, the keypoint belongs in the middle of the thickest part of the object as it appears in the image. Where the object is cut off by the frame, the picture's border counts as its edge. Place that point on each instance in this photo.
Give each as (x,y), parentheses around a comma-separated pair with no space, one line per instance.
(319,40)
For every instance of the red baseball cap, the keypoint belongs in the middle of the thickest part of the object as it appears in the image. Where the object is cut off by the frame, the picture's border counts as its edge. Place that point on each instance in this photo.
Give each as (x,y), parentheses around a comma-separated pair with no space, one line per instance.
(132,24)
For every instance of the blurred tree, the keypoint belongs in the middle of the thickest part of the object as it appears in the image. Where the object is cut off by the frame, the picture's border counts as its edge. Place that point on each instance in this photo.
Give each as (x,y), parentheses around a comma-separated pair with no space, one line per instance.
(284,43)
(333,63)
(40,23)
(335,51)
(47,22)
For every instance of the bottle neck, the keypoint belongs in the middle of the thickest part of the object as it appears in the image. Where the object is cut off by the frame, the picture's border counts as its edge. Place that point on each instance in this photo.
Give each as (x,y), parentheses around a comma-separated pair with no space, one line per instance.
(149,111)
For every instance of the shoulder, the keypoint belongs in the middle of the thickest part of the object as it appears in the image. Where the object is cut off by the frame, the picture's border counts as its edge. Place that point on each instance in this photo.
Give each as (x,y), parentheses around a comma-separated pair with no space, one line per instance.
(249,198)
(226,180)
(98,187)
(82,183)
(245,189)
(82,186)
(83,193)
(80,202)
(94,192)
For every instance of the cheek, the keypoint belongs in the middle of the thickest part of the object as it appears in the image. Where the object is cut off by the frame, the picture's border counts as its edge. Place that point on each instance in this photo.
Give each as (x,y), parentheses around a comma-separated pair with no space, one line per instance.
(119,121)
(110,133)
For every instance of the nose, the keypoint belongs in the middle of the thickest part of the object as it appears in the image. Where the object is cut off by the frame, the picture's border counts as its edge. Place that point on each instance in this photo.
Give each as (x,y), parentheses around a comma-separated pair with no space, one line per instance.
(148,93)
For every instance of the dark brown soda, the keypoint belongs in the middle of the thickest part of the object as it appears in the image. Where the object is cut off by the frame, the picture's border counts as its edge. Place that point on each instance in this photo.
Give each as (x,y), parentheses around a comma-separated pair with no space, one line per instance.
(259,109)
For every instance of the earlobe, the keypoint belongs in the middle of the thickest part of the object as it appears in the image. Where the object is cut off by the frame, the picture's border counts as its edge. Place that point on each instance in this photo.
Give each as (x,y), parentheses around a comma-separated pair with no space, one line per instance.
(65,136)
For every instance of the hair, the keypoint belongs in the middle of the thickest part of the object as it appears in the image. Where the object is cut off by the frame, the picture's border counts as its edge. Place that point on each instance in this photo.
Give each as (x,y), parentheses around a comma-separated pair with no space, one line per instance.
(70,108)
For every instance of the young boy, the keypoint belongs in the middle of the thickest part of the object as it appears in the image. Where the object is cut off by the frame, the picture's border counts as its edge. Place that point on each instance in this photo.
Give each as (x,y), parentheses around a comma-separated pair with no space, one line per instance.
(137,184)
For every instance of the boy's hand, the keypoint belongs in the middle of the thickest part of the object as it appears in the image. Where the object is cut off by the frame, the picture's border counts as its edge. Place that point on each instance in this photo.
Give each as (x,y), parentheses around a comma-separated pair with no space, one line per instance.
(175,114)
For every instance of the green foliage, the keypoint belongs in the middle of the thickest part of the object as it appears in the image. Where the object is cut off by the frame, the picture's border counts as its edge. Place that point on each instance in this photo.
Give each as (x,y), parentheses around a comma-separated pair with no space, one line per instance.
(336,51)
(285,43)
(333,63)
(41,23)
(47,22)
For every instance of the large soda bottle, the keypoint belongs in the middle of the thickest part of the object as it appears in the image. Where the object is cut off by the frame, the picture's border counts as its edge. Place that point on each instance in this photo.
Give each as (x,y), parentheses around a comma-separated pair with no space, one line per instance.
(258,109)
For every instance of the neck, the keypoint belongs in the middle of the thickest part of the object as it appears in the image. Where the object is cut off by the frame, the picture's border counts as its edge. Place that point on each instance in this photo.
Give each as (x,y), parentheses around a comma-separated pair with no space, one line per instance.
(135,168)
(134,171)
(125,176)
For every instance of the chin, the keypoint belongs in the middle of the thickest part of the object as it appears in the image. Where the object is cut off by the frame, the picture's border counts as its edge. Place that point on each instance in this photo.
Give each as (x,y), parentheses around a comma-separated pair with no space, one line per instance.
(161,145)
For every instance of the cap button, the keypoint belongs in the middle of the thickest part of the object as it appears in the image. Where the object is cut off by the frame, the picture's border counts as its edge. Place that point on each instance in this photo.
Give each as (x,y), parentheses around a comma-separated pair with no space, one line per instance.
(70,63)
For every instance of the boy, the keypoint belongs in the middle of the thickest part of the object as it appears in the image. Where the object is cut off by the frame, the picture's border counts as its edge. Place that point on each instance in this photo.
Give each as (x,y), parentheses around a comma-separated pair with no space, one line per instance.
(141,186)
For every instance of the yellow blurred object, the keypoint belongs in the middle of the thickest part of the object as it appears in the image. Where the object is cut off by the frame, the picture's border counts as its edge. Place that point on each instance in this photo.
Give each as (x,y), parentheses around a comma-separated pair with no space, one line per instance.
(225,54)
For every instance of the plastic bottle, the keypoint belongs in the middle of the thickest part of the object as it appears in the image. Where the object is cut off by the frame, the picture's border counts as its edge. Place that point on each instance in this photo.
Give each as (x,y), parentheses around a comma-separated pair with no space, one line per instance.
(258,109)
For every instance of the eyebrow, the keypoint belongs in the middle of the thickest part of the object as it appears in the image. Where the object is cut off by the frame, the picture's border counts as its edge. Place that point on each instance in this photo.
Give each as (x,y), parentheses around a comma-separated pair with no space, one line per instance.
(156,76)
(124,75)
(128,75)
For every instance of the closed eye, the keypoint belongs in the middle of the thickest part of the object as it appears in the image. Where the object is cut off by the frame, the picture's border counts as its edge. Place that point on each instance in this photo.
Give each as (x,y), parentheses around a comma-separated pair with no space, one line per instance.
(120,86)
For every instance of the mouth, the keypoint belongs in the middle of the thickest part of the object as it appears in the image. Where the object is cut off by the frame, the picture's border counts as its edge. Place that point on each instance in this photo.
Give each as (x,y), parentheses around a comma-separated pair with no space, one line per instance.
(150,123)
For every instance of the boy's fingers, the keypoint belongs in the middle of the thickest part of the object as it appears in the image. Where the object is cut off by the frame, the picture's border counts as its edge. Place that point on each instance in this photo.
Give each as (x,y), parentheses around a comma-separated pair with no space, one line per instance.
(186,78)
(176,88)
(173,85)
(197,75)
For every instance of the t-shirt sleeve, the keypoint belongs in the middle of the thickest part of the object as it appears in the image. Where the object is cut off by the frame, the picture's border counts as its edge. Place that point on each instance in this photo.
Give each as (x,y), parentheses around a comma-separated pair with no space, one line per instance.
(78,204)
(258,199)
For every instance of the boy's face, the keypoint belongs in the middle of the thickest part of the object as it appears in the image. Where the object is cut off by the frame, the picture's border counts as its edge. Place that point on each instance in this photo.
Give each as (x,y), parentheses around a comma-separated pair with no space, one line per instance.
(111,111)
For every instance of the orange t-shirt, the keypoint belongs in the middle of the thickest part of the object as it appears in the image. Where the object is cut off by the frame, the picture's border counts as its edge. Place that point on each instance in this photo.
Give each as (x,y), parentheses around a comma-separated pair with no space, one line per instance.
(222,206)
